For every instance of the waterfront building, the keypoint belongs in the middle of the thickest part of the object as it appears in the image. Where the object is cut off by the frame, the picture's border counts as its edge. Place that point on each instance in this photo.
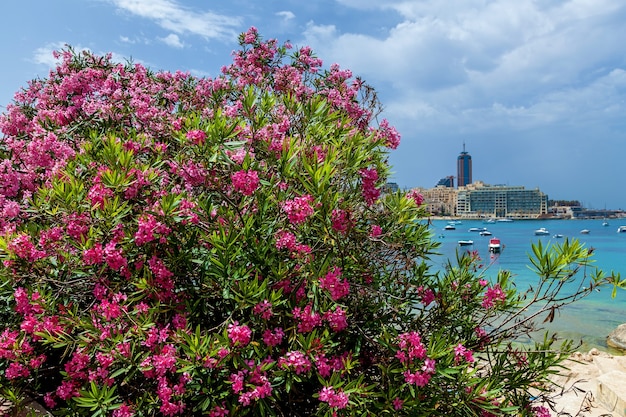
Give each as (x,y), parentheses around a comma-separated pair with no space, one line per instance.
(464,168)
(480,200)
(446,181)
(440,201)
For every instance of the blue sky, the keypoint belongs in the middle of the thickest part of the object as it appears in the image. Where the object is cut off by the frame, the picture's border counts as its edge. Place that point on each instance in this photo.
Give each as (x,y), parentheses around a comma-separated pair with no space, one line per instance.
(535,89)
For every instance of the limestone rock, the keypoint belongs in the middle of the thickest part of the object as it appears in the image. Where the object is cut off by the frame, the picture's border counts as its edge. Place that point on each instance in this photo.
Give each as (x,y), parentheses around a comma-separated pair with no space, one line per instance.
(617,338)
(612,392)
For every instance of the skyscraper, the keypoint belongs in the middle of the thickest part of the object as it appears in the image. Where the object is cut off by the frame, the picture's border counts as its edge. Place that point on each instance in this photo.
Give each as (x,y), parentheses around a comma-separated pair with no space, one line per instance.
(464,168)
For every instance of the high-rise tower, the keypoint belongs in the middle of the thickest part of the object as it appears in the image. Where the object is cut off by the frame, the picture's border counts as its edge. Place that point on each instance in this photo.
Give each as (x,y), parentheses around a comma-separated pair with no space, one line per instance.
(464,168)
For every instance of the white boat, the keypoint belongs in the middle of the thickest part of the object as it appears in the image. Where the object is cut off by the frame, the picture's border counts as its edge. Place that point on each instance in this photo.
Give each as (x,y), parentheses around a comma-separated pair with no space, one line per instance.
(466,242)
(504,220)
(541,232)
(585,231)
(605,223)
(621,229)
(477,229)
(449,227)
(494,245)
(557,236)
(485,233)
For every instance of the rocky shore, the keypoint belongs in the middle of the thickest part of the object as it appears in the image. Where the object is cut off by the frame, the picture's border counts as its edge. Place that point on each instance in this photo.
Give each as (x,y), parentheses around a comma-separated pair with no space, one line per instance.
(592,384)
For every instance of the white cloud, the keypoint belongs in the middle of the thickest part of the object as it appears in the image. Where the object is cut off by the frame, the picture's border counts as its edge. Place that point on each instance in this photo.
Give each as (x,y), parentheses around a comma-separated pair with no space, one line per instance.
(286,15)
(172,40)
(173,17)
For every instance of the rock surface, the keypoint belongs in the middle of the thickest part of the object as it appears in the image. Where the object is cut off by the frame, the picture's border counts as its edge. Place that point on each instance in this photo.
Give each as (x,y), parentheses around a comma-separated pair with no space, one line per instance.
(592,385)
(617,338)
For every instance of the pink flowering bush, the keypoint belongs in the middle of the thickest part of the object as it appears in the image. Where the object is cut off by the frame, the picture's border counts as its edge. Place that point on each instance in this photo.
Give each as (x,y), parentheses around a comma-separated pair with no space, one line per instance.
(180,246)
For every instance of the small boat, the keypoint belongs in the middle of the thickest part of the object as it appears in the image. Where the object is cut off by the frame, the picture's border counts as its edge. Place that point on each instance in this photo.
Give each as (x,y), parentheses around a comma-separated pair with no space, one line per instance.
(557,236)
(541,232)
(477,229)
(449,227)
(485,233)
(504,220)
(584,231)
(605,223)
(490,221)
(466,242)
(494,245)
(621,229)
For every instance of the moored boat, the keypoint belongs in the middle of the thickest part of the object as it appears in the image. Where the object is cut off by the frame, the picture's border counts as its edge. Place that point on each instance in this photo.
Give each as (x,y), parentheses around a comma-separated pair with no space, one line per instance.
(466,242)
(542,231)
(485,233)
(621,229)
(494,245)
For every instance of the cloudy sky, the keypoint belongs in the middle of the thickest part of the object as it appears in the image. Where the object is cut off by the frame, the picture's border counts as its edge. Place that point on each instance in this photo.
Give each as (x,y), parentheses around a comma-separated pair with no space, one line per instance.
(535,89)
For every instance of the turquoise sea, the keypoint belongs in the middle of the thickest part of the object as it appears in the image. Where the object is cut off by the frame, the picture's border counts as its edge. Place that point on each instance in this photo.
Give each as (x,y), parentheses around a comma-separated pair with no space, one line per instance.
(587,321)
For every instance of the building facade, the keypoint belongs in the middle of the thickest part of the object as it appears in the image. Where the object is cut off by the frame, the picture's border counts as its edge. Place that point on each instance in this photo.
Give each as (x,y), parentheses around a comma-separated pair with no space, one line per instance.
(464,168)
(480,200)
(440,201)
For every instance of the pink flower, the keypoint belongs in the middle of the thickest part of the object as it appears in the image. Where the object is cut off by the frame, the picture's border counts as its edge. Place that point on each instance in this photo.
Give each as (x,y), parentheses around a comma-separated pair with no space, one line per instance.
(375,231)
(16,370)
(397,403)
(273,338)
(370,193)
(307,320)
(461,352)
(416,197)
(196,136)
(541,411)
(335,399)
(123,411)
(239,335)
(295,360)
(333,284)
(340,220)
(246,182)
(94,256)
(263,309)
(492,296)
(336,319)
(298,209)
(387,134)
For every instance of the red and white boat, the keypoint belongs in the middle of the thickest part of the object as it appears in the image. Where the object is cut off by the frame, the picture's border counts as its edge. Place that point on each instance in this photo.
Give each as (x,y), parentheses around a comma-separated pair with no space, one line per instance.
(494,245)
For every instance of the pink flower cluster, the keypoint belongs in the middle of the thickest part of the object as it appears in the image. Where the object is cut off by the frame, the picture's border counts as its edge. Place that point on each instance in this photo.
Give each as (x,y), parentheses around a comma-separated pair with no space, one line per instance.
(412,350)
(337,399)
(273,338)
(239,335)
(387,134)
(369,177)
(492,296)
(340,220)
(416,196)
(462,353)
(306,318)
(255,379)
(332,283)
(149,226)
(263,310)
(296,361)
(246,182)
(298,209)
(287,240)
(196,136)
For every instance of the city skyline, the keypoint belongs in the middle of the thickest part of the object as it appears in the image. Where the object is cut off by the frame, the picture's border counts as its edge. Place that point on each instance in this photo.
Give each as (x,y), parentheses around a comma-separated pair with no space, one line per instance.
(537,90)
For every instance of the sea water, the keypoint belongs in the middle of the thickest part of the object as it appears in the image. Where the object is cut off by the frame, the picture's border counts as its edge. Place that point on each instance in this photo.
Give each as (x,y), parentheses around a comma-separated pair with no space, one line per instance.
(587,321)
